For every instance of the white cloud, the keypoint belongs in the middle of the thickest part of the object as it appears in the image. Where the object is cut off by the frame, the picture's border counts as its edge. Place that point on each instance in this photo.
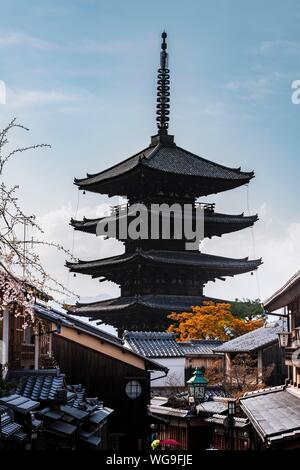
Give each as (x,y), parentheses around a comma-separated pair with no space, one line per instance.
(213,109)
(25,40)
(84,246)
(86,46)
(255,88)
(19,98)
(280,47)
(101,47)
(278,245)
(233,85)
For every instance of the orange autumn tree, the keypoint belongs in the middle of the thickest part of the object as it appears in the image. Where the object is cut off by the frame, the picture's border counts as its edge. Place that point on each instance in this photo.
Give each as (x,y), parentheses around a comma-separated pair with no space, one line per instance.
(210,321)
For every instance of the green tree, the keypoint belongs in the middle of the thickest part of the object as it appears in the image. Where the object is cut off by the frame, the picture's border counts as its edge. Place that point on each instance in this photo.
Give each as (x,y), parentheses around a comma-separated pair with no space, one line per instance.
(247,309)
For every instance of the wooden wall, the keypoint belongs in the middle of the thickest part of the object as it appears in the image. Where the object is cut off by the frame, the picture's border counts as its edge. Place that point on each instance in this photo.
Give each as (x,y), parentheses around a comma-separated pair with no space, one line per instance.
(206,361)
(106,378)
(275,355)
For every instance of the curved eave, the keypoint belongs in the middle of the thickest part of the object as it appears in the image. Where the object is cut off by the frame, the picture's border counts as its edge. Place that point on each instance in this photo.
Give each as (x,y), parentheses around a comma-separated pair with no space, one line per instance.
(160,161)
(164,303)
(215,224)
(167,159)
(120,168)
(125,183)
(211,267)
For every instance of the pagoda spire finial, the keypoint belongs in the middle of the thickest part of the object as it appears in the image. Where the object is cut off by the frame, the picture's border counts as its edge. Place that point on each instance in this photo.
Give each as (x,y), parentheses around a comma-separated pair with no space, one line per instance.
(163,90)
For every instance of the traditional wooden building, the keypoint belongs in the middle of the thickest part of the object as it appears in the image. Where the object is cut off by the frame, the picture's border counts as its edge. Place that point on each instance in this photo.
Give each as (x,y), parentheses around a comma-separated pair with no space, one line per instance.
(159,275)
(262,345)
(190,430)
(221,435)
(89,356)
(274,413)
(181,358)
(108,369)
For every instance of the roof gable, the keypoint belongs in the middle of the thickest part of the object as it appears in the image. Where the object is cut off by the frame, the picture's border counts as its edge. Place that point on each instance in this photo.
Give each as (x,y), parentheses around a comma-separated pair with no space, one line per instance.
(164,345)
(254,340)
(167,159)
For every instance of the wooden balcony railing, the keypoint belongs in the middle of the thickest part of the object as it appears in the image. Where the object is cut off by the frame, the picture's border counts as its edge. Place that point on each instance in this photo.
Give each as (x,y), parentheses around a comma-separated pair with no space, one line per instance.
(116,210)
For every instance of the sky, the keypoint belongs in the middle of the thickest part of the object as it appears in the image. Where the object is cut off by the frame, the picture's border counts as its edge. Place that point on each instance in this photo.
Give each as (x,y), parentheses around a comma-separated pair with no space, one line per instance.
(82,76)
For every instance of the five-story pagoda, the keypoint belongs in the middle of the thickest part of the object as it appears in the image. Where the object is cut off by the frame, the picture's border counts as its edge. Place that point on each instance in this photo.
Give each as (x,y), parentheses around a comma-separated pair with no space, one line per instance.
(158,275)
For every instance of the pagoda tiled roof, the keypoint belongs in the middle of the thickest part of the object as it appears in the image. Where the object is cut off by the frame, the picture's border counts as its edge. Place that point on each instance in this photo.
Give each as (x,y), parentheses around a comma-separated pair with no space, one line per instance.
(167,303)
(215,224)
(169,159)
(217,265)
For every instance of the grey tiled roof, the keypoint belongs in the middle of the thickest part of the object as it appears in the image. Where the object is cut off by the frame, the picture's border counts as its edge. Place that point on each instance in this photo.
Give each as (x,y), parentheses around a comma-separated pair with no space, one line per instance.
(212,407)
(56,316)
(216,265)
(173,159)
(195,347)
(214,223)
(168,159)
(285,295)
(161,344)
(153,344)
(221,419)
(65,319)
(274,412)
(254,340)
(163,302)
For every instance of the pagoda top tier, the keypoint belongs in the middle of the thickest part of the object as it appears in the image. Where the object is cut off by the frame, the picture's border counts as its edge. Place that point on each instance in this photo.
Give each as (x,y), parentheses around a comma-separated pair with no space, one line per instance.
(163,167)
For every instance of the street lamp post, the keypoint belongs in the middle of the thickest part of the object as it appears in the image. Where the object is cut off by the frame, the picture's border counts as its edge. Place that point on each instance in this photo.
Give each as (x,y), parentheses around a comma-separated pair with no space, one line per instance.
(197,386)
(231,412)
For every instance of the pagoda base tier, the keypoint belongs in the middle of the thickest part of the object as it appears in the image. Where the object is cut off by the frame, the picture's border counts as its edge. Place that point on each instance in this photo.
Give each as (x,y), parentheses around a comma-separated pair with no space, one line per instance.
(147,312)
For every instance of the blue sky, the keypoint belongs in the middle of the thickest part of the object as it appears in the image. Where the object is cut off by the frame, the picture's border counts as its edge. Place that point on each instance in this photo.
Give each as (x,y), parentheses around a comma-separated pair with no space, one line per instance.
(82,76)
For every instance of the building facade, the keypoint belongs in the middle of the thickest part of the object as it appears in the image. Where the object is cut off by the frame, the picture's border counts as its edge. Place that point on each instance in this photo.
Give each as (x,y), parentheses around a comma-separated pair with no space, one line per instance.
(263,348)
(274,413)
(181,358)
(55,344)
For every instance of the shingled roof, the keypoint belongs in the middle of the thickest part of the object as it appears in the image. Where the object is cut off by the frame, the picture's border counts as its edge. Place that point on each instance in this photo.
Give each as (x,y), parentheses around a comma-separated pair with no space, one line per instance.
(168,303)
(285,295)
(153,344)
(216,265)
(274,413)
(166,159)
(66,320)
(215,224)
(169,159)
(161,344)
(253,340)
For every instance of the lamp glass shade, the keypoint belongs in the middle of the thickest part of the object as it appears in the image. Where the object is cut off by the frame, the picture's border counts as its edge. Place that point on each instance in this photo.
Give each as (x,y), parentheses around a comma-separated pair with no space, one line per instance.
(283,339)
(197,385)
(231,407)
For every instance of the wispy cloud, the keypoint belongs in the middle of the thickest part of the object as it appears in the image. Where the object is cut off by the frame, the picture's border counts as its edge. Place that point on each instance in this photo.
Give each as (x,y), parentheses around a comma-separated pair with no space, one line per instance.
(24,98)
(271,235)
(86,46)
(103,47)
(253,89)
(17,39)
(214,109)
(280,47)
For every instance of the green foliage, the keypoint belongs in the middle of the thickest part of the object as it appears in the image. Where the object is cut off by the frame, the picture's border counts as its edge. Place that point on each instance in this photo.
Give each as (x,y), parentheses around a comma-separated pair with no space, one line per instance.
(247,309)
